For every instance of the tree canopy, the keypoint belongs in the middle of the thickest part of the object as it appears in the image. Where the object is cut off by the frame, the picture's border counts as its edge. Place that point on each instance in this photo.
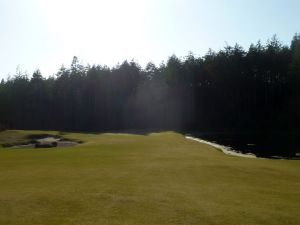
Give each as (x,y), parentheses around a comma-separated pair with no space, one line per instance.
(231,90)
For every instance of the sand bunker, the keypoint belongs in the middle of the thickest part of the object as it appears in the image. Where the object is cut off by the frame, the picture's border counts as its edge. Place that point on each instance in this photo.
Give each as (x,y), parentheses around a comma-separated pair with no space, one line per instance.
(47,142)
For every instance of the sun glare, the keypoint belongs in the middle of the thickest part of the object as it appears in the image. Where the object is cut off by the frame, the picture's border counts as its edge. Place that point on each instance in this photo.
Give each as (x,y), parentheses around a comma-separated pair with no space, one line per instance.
(86,27)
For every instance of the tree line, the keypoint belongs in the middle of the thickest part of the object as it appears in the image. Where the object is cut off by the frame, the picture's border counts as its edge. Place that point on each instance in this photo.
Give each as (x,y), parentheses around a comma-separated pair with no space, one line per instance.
(232,90)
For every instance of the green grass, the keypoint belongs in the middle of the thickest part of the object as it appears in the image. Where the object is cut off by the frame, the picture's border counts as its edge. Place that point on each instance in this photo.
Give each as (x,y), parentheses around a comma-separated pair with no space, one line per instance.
(155,179)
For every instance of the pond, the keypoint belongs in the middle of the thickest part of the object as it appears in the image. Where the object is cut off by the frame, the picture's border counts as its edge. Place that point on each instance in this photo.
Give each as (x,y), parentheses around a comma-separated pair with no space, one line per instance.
(270,145)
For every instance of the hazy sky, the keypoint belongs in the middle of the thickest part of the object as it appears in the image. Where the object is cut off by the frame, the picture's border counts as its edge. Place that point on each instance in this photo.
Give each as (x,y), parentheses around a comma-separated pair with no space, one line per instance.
(47,33)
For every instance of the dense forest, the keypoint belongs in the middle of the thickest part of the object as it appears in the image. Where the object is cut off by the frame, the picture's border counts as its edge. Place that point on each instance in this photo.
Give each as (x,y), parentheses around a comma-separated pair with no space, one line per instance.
(232,90)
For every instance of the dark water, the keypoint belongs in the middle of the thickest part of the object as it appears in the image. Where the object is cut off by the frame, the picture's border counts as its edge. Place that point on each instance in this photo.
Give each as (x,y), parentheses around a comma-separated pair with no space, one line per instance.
(275,145)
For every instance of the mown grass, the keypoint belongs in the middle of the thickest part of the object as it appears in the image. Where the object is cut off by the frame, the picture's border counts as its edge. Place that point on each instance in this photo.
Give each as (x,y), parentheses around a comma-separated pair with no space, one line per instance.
(159,178)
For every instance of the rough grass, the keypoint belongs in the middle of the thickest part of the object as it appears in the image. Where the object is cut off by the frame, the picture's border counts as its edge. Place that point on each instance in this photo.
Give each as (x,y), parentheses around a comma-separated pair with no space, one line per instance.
(154,179)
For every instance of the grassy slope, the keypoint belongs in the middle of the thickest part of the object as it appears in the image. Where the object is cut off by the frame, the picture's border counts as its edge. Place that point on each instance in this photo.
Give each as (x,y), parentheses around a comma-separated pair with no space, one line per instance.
(135,179)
